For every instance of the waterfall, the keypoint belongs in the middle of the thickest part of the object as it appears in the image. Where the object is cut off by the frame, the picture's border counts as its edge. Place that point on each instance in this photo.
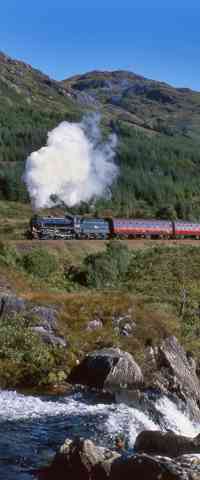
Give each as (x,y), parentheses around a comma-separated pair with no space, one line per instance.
(33,426)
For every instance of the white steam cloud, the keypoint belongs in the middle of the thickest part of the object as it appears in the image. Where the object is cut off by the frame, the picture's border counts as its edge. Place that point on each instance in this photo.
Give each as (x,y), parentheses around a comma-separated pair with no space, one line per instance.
(74,166)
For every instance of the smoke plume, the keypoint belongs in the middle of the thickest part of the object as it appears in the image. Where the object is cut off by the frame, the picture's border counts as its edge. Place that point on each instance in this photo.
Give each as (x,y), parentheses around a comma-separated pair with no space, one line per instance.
(74,166)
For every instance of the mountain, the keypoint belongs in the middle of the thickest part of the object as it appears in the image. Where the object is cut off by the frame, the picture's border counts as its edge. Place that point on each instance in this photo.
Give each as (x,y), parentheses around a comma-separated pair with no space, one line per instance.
(30,104)
(20,84)
(157,126)
(144,103)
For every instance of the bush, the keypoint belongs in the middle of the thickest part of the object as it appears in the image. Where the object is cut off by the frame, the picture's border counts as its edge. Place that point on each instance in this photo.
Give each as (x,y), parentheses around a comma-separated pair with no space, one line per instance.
(24,358)
(8,255)
(107,269)
(40,263)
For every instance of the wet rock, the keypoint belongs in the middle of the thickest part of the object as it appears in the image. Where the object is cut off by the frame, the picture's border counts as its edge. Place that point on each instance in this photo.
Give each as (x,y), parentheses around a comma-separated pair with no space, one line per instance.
(175,375)
(110,369)
(76,459)
(166,443)
(148,468)
(83,460)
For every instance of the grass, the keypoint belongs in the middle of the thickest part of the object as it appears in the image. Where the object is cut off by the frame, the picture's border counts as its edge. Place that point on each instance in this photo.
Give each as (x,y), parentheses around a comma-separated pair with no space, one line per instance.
(160,294)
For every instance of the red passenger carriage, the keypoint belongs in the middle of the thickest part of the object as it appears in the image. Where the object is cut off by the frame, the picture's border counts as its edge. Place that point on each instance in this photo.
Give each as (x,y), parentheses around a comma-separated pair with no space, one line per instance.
(133,228)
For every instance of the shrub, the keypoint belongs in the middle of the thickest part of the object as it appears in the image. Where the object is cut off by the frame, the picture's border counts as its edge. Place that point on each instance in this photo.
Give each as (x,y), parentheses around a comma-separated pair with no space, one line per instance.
(8,255)
(107,269)
(24,358)
(40,263)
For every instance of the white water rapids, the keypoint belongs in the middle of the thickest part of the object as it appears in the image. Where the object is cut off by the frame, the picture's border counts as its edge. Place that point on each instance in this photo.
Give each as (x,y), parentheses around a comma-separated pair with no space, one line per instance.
(34,425)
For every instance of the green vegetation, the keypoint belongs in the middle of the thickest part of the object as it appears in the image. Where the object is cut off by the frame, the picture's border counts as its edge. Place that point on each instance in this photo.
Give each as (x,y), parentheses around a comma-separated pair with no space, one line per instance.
(107,269)
(31,104)
(159,177)
(40,263)
(156,288)
(157,126)
(24,358)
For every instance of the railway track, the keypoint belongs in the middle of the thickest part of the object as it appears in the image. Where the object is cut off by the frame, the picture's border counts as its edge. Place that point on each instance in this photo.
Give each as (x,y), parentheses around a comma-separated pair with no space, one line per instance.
(98,244)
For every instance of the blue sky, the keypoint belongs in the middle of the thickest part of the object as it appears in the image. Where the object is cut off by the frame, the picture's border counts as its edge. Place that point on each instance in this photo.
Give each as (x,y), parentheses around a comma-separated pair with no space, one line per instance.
(159,42)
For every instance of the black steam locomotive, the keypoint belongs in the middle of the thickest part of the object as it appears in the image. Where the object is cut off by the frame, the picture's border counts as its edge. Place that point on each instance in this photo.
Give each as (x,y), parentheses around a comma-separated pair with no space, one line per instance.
(69,227)
(75,227)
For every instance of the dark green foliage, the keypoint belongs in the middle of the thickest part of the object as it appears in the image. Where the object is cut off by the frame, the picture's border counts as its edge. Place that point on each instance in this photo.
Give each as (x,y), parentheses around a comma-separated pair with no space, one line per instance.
(107,269)
(158,175)
(40,262)
(159,161)
(22,131)
(24,358)
(9,255)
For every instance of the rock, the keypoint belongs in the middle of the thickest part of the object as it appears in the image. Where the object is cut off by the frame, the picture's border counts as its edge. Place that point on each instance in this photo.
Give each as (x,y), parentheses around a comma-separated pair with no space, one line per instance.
(42,319)
(175,375)
(10,305)
(126,330)
(110,369)
(145,467)
(124,325)
(76,460)
(46,316)
(166,443)
(83,460)
(94,325)
(49,337)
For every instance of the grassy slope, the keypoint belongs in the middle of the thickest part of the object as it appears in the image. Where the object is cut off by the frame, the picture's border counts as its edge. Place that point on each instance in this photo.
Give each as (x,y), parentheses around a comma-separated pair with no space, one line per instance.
(152,294)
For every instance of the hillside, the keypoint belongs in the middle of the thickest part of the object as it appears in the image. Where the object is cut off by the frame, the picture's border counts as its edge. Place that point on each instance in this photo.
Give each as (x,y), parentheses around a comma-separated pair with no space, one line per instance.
(157,127)
(144,103)
(30,104)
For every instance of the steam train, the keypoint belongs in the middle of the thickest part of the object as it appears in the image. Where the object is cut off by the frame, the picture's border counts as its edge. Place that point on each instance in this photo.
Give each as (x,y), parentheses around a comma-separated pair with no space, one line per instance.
(75,227)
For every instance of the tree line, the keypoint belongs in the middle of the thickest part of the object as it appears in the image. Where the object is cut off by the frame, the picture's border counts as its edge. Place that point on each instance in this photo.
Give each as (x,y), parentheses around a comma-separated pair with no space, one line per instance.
(159,175)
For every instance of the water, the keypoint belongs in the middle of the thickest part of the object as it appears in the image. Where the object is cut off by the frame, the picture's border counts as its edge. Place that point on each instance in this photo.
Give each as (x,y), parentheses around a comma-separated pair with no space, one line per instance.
(32,428)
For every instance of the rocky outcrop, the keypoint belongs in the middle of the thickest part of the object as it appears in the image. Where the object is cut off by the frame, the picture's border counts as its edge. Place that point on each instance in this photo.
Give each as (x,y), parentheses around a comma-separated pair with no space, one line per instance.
(176,375)
(124,94)
(169,373)
(83,460)
(166,443)
(110,369)
(41,319)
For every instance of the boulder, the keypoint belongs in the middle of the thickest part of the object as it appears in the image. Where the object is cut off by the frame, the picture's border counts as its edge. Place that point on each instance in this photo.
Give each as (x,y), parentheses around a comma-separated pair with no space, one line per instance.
(146,467)
(83,460)
(110,369)
(166,443)
(45,316)
(76,459)
(49,337)
(10,305)
(175,375)
(42,319)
